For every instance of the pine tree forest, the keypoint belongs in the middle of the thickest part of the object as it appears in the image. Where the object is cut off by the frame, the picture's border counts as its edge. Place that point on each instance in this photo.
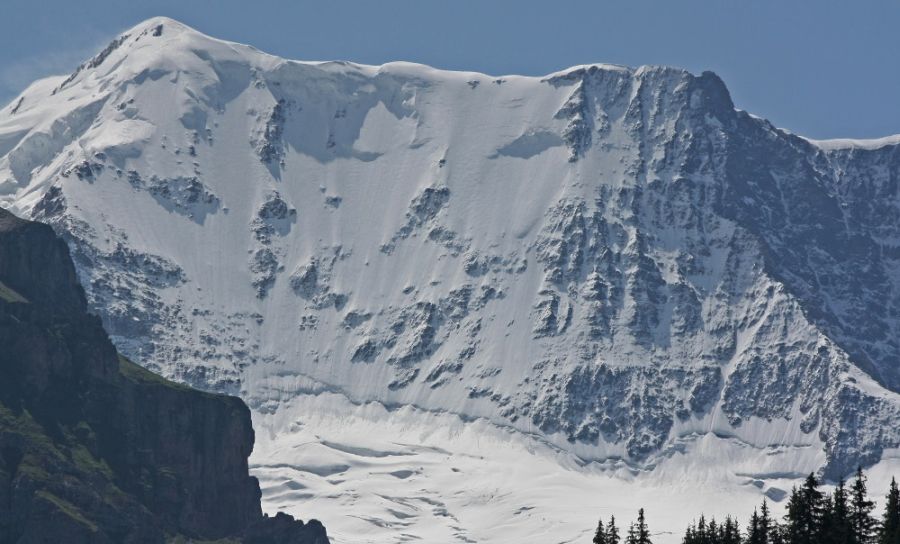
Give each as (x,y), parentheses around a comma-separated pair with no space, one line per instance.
(844,516)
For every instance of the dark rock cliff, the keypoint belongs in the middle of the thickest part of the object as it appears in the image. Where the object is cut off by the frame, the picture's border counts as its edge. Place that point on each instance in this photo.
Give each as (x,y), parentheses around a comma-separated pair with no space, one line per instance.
(95,449)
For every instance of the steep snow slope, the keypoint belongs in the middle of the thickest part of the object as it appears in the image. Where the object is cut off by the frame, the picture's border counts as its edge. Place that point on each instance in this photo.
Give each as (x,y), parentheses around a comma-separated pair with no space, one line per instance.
(610,263)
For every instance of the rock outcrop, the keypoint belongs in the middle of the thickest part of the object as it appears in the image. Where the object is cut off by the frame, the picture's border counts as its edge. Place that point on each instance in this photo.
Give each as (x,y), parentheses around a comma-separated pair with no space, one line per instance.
(95,449)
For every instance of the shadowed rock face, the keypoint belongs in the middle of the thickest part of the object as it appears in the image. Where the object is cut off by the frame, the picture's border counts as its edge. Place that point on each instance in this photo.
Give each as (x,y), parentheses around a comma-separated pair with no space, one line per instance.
(94,448)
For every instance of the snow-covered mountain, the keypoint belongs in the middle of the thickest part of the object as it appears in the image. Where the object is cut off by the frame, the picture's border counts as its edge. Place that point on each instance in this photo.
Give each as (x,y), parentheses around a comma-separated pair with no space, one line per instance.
(607,270)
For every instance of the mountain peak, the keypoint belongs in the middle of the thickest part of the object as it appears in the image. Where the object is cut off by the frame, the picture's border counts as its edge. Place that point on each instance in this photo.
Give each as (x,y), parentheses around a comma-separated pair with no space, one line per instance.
(159,24)
(159,43)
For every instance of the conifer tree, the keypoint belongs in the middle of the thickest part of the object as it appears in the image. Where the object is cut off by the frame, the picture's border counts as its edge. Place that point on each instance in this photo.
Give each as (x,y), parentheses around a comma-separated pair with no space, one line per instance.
(642,531)
(764,523)
(731,533)
(890,525)
(804,514)
(753,534)
(863,524)
(712,532)
(777,534)
(792,518)
(720,534)
(689,536)
(600,534)
(612,532)
(696,533)
(826,522)
(632,535)
(700,535)
(836,528)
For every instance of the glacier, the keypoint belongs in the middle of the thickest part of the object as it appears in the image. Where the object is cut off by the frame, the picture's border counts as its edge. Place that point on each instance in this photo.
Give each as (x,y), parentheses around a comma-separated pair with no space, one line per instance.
(467,307)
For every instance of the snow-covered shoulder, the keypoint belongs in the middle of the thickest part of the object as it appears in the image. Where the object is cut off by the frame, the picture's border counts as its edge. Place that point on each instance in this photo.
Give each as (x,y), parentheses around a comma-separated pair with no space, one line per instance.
(850,143)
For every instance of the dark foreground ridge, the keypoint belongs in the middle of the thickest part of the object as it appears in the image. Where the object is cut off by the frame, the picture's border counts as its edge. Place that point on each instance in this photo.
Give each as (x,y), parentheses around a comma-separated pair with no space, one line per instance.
(95,449)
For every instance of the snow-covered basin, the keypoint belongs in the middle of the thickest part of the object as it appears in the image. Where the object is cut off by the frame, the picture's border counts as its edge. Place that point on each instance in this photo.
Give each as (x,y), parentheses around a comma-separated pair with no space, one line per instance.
(377,475)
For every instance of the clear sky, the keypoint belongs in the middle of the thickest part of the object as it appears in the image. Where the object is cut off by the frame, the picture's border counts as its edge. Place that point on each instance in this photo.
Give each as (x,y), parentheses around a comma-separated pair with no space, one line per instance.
(824,68)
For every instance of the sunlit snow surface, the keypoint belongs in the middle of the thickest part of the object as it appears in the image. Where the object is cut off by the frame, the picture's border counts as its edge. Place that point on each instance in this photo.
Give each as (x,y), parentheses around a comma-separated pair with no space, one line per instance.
(409,476)
(578,294)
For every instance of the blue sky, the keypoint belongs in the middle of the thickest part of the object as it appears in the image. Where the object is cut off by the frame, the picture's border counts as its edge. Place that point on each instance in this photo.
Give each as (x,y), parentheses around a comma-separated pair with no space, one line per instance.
(822,68)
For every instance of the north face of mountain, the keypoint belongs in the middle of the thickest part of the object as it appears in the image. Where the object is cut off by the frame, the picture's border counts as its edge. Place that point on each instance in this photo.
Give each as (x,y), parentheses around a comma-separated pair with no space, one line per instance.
(613,259)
